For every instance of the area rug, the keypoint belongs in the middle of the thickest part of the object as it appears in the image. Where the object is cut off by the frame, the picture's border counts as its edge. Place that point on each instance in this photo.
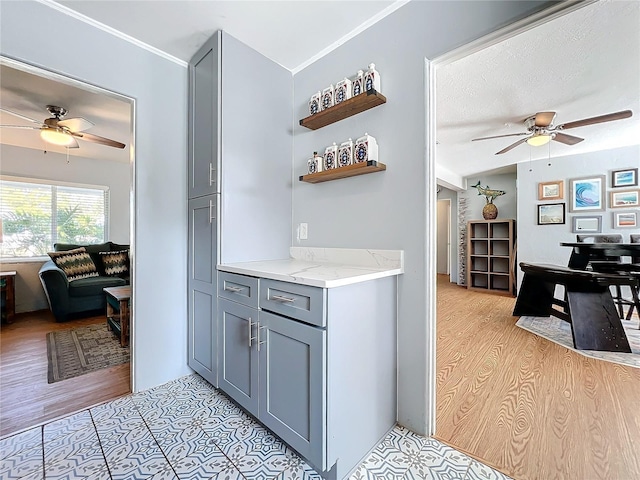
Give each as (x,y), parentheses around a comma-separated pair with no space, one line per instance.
(559,331)
(81,350)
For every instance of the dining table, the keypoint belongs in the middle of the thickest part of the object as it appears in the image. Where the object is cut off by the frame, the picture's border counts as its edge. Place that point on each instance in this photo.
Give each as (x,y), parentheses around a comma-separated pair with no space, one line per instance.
(584,252)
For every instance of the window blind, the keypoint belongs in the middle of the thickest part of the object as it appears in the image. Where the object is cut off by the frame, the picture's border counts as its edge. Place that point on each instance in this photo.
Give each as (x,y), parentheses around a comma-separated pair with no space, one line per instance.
(36,215)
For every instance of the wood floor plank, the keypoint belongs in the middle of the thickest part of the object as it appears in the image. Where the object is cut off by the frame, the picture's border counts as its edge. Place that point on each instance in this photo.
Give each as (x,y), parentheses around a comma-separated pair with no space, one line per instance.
(525,405)
(26,399)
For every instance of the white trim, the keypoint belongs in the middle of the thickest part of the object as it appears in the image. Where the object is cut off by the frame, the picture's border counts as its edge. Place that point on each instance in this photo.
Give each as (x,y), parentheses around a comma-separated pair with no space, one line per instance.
(431,218)
(356,31)
(116,33)
(40,181)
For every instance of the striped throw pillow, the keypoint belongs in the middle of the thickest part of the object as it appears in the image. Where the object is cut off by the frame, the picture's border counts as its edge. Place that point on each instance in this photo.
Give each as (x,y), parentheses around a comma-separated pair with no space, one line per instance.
(76,263)
(116,264)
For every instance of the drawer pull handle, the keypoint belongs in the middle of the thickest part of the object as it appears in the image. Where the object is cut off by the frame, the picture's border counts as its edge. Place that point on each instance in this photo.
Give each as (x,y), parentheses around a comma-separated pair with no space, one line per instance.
(229,288)
(211,170)
(251,324)
(259,342)
(283,299)
(211,216)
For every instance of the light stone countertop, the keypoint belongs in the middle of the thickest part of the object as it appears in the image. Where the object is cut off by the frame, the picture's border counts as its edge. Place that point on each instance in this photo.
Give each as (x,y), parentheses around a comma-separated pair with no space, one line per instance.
(324,267)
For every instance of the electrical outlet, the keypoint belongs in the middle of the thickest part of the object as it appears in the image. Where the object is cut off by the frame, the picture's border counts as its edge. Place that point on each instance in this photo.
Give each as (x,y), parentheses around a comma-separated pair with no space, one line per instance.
(304,231)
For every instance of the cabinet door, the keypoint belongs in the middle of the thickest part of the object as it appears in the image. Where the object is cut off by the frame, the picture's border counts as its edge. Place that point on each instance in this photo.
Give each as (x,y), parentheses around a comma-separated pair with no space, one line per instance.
(202,287)
(237,330)
(204,125)
(293,384)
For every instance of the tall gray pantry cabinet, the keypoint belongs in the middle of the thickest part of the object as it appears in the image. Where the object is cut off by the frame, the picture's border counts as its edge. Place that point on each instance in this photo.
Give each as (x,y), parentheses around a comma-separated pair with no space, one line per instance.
(204,199)
(239,151)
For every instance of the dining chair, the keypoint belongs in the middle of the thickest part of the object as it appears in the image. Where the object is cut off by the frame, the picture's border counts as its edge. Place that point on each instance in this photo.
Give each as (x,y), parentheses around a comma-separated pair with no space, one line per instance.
(614,265)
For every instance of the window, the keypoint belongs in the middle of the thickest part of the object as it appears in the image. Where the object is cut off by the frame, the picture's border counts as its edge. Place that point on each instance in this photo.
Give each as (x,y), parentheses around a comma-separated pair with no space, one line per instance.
(36,215)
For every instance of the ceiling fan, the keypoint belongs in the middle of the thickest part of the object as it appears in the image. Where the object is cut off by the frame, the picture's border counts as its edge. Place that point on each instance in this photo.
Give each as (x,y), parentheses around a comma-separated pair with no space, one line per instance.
(541,130)
(57,131)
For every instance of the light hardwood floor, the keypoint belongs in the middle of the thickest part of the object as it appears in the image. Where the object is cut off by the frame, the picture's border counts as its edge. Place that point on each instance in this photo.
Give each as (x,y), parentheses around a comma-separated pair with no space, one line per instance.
(524,405)
(26,399)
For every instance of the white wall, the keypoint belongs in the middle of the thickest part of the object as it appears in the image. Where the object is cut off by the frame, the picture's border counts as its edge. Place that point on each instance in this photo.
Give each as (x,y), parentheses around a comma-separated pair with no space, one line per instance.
(541,243)
(160,231)
(387,210)
(30,163)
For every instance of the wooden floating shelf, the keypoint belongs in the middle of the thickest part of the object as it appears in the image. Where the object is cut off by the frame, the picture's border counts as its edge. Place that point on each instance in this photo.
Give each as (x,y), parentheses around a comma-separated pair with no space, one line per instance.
(344,109)
(344,172)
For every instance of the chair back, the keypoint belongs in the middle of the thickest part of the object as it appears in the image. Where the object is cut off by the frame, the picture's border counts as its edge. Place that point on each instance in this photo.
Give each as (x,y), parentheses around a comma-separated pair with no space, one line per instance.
(609,238)
(634,239)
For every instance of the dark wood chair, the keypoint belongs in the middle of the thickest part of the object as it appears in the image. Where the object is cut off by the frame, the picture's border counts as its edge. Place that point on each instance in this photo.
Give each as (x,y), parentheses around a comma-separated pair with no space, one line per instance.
(615,266)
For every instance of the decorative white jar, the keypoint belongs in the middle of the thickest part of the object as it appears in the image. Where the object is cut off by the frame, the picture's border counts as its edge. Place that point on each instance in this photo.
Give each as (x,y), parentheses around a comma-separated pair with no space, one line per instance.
(314,164)
(327,97)
(365,149)
(345,153)
(372,78)
(343,90)
(330,157)
(358,84)
(314,103)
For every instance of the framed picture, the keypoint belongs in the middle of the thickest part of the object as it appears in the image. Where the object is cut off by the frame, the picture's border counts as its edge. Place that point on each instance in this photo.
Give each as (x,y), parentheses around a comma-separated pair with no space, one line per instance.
(551,214)
(625,198)
(586,224)
(551,190)
(625,219)
(624,178)
(587,194)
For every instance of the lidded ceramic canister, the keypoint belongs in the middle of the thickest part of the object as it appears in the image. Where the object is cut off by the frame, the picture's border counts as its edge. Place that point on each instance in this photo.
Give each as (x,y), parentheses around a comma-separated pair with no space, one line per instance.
(345,153)
(330,157)
(365,149)
(372,78)
(358,84)
(343,90)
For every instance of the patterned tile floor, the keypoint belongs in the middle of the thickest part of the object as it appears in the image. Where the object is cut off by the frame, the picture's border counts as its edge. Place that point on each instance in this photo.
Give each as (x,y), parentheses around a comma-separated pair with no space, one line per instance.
(187,430)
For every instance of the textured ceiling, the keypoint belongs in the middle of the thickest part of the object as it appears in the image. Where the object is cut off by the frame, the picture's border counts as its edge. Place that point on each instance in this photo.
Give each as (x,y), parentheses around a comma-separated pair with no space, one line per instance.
(583,64)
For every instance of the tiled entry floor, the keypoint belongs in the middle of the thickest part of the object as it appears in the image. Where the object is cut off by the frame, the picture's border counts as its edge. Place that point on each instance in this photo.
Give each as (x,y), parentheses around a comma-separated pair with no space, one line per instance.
(187,430)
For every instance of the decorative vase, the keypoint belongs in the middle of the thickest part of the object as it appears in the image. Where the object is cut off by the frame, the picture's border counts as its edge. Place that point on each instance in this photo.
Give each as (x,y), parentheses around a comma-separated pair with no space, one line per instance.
(489,211)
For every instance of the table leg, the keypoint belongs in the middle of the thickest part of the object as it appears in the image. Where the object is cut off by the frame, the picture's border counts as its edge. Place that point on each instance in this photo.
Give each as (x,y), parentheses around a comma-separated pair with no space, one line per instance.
(109,312)
(124,322)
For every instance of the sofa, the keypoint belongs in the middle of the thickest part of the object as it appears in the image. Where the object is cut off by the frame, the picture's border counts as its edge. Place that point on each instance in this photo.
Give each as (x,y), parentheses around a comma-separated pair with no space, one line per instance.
(72,297)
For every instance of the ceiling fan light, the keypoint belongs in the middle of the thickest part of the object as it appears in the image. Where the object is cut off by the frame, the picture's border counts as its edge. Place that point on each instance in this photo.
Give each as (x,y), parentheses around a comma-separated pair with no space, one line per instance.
(539,139)
(56,138)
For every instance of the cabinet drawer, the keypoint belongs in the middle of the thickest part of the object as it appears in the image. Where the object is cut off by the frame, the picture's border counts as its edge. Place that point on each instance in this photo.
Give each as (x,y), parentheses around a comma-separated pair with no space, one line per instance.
(239,288)
(301,302)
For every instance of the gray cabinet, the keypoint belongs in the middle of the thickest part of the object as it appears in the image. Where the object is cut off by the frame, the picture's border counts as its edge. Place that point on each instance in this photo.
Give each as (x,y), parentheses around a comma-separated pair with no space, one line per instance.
(293,389)
(202,287)
(322,361)
(238,333)
(204,119)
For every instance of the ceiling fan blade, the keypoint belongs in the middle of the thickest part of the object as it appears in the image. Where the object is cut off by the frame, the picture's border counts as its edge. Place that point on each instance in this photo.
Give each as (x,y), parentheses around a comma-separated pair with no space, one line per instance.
(501,136)
(513,145)
(28,119)
(566,139)
(77,124)
(21,126)
(544,119)
(609,117)
(97,139)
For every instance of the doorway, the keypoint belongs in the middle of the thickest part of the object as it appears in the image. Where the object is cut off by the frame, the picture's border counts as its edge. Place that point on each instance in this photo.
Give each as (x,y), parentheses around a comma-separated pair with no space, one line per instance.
(443,261)
(25,94)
